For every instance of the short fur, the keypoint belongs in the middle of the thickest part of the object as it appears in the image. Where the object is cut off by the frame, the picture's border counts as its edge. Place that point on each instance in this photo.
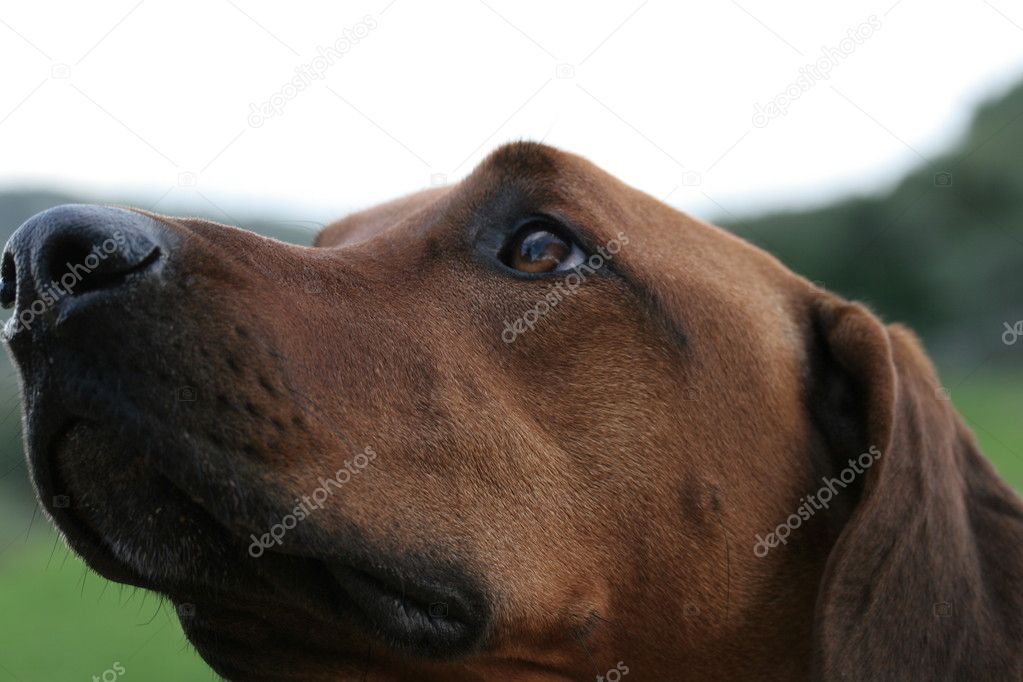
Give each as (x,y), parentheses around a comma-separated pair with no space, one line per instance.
(597,487)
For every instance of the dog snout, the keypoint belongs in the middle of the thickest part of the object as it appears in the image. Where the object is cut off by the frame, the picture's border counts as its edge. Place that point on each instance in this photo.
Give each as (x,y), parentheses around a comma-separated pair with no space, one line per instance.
(68,251)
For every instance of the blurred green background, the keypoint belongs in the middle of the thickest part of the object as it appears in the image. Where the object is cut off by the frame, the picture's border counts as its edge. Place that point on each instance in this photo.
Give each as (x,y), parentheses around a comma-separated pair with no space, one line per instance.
(942,251)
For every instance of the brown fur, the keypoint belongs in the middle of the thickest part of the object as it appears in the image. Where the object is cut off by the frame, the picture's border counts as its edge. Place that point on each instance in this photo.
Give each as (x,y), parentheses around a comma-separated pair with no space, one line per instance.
(604,478)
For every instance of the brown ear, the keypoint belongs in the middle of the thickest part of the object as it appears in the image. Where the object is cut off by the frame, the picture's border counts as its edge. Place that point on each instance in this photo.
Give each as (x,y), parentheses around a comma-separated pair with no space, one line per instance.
(925,581)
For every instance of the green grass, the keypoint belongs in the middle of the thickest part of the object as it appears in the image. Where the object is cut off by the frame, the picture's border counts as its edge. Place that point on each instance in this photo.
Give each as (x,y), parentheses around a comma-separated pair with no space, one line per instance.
(992,406)
(60,622)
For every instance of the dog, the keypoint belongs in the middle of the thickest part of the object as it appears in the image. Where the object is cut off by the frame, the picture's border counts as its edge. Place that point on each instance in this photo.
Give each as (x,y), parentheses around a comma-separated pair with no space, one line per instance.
(536,425)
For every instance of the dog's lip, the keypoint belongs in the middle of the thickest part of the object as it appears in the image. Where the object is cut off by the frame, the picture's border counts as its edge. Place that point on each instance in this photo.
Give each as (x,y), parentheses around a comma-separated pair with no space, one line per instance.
(332,588)
(90,544)
(412,614)
(83,539)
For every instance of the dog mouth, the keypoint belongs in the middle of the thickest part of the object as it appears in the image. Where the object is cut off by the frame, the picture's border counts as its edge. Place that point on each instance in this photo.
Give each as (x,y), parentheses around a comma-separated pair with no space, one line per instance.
(167,426)
(125,518)
(133,524)
(82,538)
(422,616)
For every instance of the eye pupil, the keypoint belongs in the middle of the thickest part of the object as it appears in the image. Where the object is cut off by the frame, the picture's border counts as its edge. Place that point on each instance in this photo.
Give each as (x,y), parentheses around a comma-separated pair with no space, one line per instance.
(541,246)
(536,249)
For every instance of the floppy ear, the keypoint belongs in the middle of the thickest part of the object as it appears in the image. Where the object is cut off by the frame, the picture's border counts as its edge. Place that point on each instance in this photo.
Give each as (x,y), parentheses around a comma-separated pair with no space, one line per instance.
(925,579)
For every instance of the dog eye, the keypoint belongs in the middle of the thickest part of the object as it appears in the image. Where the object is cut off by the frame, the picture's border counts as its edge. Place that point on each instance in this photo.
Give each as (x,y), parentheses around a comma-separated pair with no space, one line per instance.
(541,246)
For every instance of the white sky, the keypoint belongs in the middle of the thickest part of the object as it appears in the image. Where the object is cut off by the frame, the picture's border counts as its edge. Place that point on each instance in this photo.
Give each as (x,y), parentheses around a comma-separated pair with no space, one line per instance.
(151,100)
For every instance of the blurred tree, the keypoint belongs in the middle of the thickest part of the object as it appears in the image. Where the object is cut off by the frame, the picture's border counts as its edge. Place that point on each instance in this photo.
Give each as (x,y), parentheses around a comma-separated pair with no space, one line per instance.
(941,251)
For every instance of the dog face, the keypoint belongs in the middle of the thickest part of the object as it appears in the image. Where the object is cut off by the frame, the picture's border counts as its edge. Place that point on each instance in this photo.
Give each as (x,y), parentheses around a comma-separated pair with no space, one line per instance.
(530,426)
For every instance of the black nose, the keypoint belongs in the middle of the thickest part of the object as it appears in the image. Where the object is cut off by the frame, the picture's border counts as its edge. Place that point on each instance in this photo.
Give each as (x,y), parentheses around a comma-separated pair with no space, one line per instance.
(70,250)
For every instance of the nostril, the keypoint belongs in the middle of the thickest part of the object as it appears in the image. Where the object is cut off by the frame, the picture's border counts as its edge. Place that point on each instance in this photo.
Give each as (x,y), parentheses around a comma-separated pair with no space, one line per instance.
(82,260)
(8,281)
(65,253)
(69,250)
(99,279)
(80,256)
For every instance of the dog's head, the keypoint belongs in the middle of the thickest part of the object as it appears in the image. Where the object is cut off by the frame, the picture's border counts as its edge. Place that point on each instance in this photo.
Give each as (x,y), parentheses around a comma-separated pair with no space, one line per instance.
(530,425)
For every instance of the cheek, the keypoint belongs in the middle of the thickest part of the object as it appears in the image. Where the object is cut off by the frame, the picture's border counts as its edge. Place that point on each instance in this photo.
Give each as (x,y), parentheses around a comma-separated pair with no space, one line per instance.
(588,364)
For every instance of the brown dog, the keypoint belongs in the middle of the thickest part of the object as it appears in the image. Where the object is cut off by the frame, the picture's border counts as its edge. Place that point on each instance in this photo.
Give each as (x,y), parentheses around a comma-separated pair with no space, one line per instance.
(534,426)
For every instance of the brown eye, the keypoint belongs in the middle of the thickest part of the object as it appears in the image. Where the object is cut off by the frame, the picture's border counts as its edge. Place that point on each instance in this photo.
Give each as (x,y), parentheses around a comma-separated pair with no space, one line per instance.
(539,247)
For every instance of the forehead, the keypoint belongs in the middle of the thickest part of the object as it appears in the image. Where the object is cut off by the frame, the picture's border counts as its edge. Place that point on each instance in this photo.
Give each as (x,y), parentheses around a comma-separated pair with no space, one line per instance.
(677,261)
(529,177)
(516,177)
